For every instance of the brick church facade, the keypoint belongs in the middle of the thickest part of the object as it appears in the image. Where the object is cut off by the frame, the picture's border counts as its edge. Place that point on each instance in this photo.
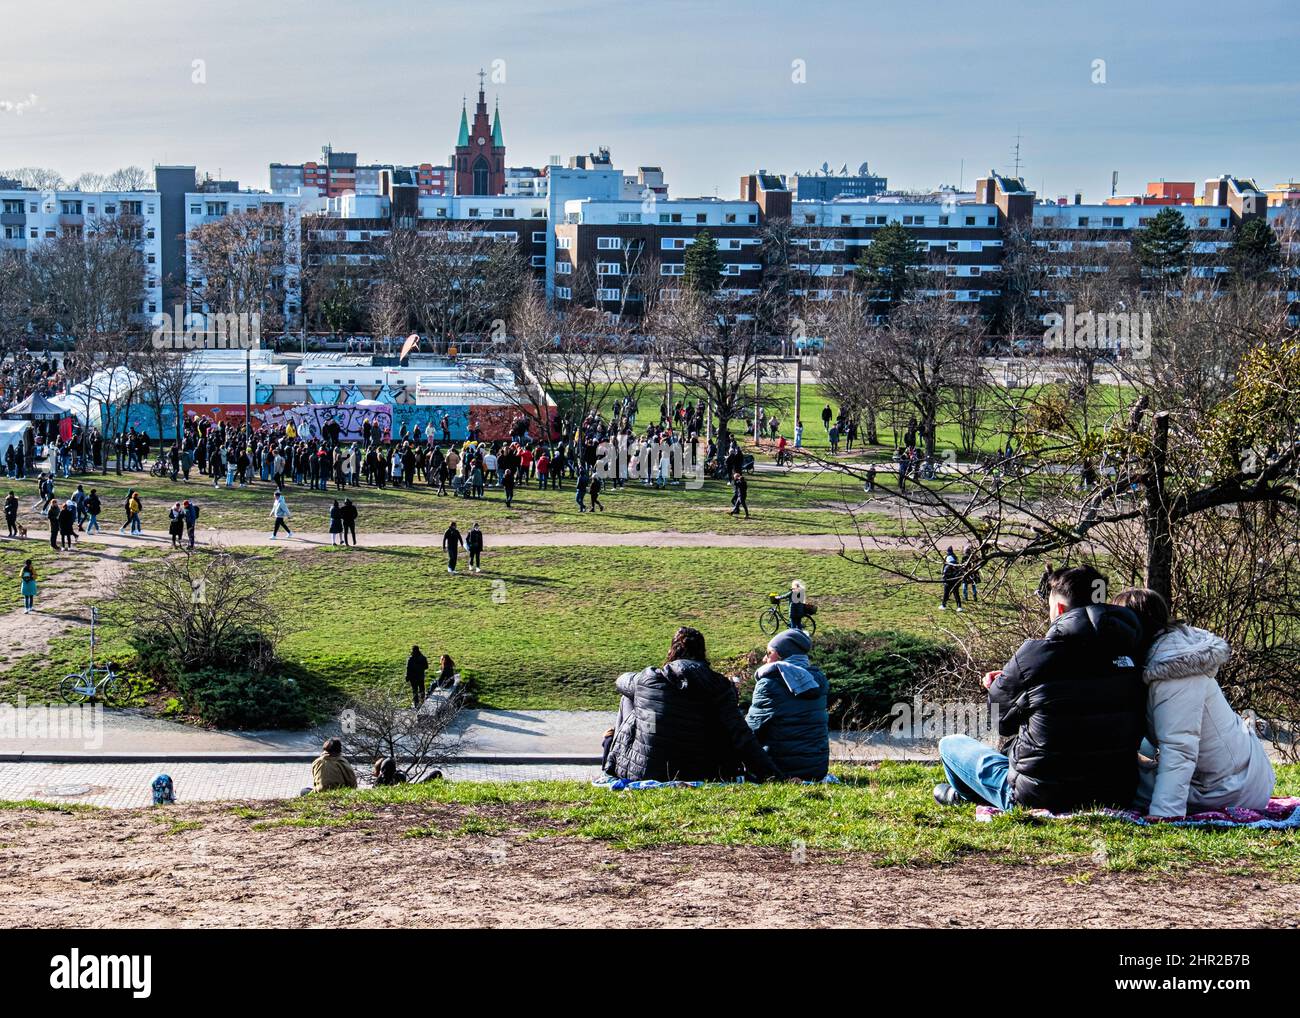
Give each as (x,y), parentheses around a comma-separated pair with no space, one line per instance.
(479,161)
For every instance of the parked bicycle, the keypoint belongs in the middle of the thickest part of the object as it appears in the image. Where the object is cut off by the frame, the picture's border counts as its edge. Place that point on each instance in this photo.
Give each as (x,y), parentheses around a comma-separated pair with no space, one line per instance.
(95,683)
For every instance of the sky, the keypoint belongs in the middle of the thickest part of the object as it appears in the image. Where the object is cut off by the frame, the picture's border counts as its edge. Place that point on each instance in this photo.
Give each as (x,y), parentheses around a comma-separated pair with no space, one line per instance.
(926,93)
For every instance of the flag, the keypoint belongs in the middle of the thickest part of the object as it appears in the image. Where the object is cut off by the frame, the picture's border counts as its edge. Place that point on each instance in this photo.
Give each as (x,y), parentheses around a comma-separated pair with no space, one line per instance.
(412,341)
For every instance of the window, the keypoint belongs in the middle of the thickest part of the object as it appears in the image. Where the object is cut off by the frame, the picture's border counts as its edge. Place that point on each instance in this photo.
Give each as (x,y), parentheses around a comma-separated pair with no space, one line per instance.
(914,220)
(753,217)
(538,261)
(845,220)
(608,269)
(730,217)
(564,268)
(672,244)
(629,217)
(218,208)
(539,236)
(943,220)
(701,218)
(563,292)
(195,210)
(609,244)
(604,294)
(970,220)
(673,217)
(1083,220)
(564,243)
(70,208)
(672,269)
(13,207)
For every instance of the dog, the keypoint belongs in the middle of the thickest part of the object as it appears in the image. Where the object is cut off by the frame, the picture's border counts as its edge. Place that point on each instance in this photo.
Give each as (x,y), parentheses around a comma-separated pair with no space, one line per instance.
(22,531)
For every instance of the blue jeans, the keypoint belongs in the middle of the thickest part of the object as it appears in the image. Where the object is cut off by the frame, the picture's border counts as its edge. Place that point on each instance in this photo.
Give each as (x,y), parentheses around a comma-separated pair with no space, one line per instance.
(979,774)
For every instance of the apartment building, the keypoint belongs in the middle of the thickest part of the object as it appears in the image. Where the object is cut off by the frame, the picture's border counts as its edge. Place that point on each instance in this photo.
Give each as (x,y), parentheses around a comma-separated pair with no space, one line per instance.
(30,218)
(339,173)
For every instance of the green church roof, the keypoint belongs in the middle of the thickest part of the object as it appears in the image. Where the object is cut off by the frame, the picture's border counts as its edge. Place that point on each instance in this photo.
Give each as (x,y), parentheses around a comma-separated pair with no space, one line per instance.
(463,137)
(496,128)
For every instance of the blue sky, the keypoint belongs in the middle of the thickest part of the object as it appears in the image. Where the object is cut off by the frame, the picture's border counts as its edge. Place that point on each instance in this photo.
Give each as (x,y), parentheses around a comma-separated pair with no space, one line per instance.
(704,89)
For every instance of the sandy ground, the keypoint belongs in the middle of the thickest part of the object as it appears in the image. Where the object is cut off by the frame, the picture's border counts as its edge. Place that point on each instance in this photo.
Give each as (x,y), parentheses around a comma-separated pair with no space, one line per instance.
(204,865)
(92,572)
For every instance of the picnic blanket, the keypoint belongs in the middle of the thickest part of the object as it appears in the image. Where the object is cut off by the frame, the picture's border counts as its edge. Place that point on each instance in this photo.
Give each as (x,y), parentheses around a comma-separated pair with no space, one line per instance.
(1281,814)
(621,784)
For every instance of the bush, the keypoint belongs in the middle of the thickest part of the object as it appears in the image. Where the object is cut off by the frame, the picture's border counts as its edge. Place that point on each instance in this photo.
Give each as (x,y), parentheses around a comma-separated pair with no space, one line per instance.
(240,699)
(870,672)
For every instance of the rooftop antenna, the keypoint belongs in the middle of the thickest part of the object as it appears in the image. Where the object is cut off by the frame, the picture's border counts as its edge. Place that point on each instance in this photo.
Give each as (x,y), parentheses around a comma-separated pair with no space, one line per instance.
(1114,182)
(1016,153)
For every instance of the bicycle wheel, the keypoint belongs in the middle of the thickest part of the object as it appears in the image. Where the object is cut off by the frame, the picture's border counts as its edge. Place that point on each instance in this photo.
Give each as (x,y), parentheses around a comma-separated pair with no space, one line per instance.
(770,622)
(111,689)
(76,688)
(809,625)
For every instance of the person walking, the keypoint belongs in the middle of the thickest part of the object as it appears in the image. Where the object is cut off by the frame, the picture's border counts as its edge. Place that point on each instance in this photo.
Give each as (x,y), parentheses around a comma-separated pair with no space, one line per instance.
(508,486)
(452,542)
(191,519)
(348,513)
(176,524)
(580,493)
(93,508)
(416,667)
(52,515)
(594,491)
(739,495)
(280,511)
(11,512)
(28,587)
(951,580)
(474,545)
(336,525)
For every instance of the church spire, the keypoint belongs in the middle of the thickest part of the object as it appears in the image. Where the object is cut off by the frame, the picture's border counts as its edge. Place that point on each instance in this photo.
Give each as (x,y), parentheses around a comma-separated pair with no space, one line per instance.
(496,126)
(463,137)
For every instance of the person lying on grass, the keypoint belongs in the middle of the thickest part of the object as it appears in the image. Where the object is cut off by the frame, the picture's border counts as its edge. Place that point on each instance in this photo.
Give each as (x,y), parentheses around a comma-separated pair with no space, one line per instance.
(682,722)
(787,712)
(1072,704)
(1202,755)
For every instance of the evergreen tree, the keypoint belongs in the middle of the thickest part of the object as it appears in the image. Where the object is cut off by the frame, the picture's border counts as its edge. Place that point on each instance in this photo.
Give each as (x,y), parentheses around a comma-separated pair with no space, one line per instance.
(703,266)
(1255,250)
(889,264)
(1162,245)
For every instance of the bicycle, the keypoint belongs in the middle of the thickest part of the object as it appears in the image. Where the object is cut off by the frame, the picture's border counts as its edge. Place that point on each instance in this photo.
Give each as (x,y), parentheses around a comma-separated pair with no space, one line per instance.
(773,620)
(82,686)
(161,468)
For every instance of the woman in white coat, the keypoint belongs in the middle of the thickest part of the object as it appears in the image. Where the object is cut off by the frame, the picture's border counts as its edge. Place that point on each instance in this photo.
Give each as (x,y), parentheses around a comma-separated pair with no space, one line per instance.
(1206,756)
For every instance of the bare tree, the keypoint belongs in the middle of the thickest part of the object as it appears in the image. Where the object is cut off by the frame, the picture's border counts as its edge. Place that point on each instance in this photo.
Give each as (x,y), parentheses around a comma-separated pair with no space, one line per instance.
(238,264)
(381,724)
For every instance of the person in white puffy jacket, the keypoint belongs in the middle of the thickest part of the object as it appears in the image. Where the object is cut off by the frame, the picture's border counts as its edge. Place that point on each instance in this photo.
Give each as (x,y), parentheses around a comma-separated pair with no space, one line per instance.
(1207,757)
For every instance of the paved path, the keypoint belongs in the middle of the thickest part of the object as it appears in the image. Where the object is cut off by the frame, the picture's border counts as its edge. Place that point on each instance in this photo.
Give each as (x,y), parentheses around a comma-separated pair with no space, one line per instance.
(89,732)
(553,539)
(126,785)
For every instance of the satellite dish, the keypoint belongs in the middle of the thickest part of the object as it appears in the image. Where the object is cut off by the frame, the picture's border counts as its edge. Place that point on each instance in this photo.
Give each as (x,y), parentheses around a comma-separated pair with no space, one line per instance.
(826,168)
(844,170)
(863,171)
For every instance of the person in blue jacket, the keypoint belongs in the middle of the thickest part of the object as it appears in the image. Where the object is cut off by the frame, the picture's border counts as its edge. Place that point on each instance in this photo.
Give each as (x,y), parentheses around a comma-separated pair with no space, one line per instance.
(788,711)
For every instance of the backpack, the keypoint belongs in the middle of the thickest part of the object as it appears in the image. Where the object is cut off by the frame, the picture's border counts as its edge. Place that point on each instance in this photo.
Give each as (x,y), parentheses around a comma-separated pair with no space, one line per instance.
(164,791)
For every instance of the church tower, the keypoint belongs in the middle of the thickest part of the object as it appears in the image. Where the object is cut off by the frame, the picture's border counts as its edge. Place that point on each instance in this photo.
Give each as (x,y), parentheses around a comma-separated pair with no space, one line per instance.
(480,157)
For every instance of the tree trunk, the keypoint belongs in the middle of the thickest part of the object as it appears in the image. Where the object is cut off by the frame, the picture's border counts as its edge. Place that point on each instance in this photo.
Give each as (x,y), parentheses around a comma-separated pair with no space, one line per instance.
(1159,529)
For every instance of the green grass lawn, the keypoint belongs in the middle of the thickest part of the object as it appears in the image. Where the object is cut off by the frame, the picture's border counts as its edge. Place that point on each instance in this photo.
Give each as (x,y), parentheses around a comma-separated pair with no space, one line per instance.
(886,812)
(539,628)
(818,501)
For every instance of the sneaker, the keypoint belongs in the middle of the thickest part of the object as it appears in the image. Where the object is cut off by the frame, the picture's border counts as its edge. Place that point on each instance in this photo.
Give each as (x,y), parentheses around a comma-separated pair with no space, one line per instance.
(943,607)
(959,610)
(946,795)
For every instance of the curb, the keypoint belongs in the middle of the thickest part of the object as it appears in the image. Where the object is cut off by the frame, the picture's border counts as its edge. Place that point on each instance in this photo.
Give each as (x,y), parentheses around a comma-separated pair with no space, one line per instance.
(515,759)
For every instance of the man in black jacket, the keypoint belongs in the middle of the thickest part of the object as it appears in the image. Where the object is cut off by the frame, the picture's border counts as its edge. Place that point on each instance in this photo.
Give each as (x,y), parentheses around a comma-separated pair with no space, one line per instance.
(452,543)
(416,666)
(682,722)
(1072,704)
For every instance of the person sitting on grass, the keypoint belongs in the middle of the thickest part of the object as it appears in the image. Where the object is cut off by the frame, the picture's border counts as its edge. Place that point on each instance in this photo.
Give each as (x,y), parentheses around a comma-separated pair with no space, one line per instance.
(1205,757)
(1072,704)
(787,713)
(682,722)
(331,769)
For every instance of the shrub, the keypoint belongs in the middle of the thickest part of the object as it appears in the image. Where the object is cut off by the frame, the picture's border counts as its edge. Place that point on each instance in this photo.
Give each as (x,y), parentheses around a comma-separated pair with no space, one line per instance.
(241,699)
(870,672)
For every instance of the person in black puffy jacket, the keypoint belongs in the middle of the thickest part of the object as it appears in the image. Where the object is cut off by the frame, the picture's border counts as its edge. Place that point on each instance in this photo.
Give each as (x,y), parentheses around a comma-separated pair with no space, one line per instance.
(1072,704)
(682,722)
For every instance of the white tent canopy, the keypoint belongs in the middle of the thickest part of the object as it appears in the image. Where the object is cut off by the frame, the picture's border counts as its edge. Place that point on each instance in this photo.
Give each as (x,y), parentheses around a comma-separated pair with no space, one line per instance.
(11,434)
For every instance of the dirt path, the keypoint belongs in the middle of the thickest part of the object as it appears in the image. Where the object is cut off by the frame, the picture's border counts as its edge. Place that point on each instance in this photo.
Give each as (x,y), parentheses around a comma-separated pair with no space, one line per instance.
(89,573)
(555,539)
(206,866)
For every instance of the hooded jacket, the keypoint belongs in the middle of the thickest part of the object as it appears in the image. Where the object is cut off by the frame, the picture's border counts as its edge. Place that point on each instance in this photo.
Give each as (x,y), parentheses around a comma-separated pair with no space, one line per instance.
(788,716)
(1074,707)
(1207,756)
(684,724)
